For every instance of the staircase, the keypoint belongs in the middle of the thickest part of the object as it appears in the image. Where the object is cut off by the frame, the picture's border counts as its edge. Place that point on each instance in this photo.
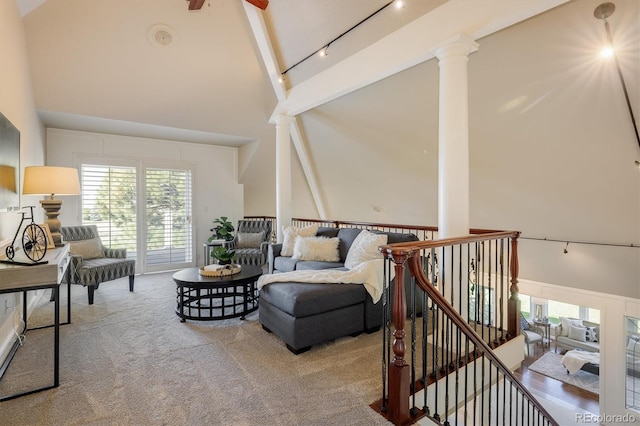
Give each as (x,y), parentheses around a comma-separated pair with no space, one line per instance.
(447,356)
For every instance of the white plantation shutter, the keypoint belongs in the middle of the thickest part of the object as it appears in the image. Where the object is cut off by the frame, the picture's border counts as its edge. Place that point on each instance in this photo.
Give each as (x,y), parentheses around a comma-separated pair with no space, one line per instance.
(109,201)
(119,198)
(168,206)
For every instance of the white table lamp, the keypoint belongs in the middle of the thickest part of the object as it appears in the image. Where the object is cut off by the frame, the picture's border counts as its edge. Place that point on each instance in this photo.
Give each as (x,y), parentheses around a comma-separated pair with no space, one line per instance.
(49,180)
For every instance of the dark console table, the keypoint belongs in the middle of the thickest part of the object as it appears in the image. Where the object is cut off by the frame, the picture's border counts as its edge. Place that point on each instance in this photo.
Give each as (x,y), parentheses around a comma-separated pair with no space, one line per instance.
(214,298)
(19,278)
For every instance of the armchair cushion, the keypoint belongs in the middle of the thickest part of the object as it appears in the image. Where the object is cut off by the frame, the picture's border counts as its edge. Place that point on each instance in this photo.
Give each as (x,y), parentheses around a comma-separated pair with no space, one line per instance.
(249,239)
(87,249)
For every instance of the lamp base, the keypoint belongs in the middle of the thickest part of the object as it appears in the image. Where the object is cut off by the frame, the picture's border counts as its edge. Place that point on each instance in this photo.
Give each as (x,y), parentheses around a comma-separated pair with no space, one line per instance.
(52,211)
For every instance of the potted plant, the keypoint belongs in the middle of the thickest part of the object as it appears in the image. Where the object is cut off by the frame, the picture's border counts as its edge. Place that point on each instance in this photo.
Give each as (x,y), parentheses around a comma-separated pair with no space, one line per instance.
(223,255)
(223,230)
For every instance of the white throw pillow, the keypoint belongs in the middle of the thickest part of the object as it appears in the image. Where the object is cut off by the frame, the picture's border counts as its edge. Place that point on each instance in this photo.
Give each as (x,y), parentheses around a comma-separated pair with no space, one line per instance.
(290,235)
(364,248)
(568,322)
(321,249)
(577,333)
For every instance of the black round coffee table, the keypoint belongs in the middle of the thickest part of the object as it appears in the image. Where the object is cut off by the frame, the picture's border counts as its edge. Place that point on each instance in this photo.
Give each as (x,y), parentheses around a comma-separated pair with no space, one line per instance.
(215,298)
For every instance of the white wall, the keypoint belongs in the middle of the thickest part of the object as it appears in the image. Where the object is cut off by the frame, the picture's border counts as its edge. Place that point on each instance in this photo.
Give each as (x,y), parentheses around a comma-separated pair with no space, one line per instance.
(216,188)
(17,104)
(551,143)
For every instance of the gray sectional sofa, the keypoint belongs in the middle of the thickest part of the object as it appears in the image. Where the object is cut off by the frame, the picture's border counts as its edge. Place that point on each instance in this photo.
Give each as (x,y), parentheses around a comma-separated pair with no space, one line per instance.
(305,314)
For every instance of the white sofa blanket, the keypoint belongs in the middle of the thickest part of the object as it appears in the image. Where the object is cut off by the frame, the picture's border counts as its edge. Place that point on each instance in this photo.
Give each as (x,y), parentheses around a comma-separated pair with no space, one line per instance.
(369,273)
(575,359)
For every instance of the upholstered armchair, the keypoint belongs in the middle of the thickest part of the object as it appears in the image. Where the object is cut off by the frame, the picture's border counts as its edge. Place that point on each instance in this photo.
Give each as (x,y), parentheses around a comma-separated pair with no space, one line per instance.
(531,333)
(91,262)
(251,242)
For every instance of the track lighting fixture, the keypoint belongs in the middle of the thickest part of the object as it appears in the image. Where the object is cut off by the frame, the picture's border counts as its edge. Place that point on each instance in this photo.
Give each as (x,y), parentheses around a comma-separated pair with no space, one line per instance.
(323,51)
(565,248)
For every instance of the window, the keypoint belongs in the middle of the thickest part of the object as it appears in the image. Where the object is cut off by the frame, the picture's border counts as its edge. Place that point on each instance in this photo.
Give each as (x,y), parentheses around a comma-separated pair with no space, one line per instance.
(525,306)
(117,198)
(554,310)
(109,202)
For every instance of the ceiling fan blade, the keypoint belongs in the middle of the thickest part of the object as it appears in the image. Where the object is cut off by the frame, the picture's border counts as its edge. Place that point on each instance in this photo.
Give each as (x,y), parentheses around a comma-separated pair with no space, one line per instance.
(261,4)
(195,4)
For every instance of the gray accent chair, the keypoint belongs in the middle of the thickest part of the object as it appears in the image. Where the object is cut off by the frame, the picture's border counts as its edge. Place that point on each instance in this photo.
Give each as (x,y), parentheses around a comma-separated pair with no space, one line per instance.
(91,262)
(251,250)
(532,334)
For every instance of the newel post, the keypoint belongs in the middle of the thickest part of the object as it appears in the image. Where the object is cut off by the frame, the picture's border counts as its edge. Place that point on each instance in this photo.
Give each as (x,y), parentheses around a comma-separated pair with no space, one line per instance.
(513,310)
(399,381)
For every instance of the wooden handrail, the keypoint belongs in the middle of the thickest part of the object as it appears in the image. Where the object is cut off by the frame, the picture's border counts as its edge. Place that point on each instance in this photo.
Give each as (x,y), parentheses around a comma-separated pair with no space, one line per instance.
(424,283)
(398,369)
(412,246)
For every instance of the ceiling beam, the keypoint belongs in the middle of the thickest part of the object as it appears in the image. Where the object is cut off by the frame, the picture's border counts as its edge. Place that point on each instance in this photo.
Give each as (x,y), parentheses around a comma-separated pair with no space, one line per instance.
(259,29)
(410,45)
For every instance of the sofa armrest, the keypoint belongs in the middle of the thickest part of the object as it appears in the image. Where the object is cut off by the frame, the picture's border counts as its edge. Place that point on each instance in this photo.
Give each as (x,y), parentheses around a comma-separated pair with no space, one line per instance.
(273,252)
(557,331)
(112,253)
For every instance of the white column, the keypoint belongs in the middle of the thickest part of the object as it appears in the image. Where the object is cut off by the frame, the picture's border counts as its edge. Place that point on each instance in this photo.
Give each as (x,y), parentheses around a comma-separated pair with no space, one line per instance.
(283,173)
(453,145)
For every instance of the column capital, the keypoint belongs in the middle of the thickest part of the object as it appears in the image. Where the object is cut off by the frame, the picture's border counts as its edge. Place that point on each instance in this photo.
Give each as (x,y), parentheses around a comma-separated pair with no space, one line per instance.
(460,44)
(284,119)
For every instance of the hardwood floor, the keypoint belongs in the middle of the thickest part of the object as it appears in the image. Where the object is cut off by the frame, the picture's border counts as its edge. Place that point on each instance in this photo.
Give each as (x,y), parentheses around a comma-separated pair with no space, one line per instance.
(570,394)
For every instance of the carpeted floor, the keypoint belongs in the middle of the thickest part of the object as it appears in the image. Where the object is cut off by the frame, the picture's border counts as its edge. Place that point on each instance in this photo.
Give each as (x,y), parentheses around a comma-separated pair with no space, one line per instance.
(129,360)
(550,364)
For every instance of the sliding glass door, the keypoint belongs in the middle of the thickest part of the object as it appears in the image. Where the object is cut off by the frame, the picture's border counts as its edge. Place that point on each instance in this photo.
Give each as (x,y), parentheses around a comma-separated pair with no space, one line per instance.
(168,214)
(142,208)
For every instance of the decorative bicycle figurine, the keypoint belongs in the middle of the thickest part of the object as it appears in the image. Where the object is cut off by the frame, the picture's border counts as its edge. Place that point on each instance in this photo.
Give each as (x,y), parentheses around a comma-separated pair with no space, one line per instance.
(34,240)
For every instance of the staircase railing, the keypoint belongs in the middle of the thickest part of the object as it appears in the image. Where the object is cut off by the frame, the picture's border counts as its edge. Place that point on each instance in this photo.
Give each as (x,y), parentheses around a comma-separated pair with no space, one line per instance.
(451,373)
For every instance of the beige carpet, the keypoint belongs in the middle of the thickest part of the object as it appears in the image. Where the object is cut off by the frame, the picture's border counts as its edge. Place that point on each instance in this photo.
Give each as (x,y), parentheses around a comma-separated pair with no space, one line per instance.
(128,360)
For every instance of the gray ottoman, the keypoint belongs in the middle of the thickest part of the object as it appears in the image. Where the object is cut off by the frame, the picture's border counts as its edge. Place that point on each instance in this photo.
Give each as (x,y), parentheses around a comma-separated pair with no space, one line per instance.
(303,314)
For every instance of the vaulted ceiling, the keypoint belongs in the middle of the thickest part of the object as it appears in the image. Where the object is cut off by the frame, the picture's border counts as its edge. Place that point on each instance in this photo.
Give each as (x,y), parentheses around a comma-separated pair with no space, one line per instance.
(156,69)
(153,68)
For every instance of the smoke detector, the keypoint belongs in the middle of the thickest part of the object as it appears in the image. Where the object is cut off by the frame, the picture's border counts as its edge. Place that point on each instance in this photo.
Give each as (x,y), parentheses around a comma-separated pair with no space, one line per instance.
(161,35)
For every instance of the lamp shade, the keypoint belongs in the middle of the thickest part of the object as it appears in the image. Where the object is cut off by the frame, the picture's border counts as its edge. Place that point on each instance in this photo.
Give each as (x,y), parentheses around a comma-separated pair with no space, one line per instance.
(49,180)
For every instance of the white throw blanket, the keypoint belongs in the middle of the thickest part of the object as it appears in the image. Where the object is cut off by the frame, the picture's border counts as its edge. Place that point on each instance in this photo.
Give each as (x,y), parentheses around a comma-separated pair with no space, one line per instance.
(370,274)
(574,360)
